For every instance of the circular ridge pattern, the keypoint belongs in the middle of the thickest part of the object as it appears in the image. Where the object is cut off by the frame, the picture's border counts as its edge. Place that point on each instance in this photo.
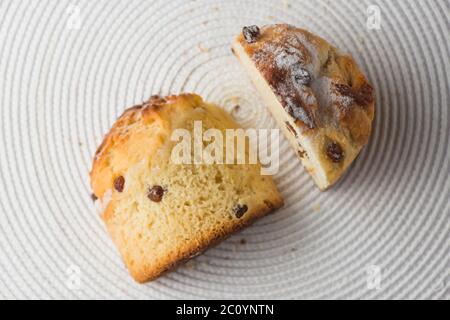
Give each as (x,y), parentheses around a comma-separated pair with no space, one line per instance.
(72,68)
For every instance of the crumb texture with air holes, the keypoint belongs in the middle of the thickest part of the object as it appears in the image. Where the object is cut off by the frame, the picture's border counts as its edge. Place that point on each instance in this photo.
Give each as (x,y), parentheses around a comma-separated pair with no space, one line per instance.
(160,213)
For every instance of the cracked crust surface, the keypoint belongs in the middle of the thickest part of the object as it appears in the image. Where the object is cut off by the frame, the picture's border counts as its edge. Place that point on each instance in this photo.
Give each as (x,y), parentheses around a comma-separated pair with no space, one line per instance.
(195,206)
(327,103)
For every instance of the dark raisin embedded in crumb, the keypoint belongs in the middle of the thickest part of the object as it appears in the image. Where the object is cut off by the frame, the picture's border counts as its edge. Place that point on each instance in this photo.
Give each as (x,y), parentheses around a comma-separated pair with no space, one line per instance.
(301,76)
(119,183)
(335,152)
(239,210)
(93,197)
(301,154)
(155,193)
(251,33)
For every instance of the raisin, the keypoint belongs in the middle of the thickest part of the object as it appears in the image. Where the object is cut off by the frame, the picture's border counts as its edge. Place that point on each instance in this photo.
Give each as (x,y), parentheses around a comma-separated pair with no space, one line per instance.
(93,197)
(301,76)
(239,210)
(301,154)
(155,193)
(335,152)
(251,33)
(119,183)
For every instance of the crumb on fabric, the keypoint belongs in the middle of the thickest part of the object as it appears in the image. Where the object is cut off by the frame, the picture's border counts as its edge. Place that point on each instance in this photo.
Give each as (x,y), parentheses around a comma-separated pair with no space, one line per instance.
(316,207)
(202,48)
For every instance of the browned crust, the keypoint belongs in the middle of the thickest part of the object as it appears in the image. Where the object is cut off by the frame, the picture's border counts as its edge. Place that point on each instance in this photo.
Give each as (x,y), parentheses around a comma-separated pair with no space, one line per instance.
(153,103)
(346,80)
(149,273)
(113,145)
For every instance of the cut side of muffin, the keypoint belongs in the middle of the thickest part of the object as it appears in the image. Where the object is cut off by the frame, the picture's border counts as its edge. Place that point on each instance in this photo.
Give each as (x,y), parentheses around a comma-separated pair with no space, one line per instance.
(159,212)
(320,99)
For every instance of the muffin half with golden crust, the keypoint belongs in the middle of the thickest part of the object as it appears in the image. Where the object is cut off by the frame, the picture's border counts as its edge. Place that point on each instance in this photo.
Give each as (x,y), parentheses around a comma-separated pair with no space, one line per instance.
(160,212)
(318,95)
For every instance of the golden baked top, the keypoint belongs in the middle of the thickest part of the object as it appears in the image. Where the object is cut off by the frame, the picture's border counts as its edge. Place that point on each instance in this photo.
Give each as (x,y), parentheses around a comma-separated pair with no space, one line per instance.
(123,145)
(317,84)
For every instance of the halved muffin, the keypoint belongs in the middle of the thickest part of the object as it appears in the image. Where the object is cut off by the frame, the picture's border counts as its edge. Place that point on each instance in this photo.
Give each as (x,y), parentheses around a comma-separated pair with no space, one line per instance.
(159,211)
(320,98)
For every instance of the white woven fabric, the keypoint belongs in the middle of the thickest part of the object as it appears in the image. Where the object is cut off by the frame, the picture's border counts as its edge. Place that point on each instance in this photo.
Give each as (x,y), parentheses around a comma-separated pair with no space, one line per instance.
(69,68)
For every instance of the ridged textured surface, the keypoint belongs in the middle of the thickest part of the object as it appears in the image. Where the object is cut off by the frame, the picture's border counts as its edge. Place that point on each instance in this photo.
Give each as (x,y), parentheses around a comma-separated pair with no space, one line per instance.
(61,87)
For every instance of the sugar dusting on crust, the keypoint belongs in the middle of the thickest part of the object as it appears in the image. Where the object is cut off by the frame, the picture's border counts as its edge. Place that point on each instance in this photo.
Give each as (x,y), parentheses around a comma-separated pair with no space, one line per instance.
(327,95)
(322,87)
(285,58)
(345,101)
(281,59)
(311,47)
(297,103)
(286,52)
